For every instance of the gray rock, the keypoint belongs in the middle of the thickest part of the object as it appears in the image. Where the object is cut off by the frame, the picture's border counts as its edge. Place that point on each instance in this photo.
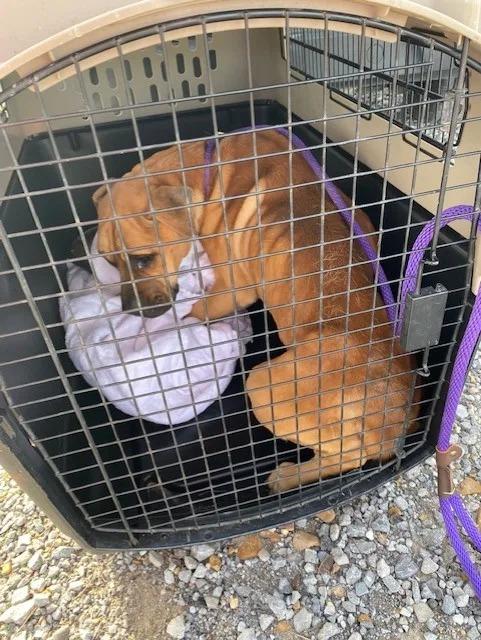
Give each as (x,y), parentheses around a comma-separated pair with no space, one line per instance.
(36,561)
(278,563)
(41,599)
(202,551)
(63,552)
(355,636)
(462,600)
(61,634)
(369,579)
(310,556)
(429,566)
(334,532)
(190,563)
(364,546)
(435,537)
(277,606)
(328,630)
(185,575)
(357,531)
(391,584)
(349,606)
(211,602)
(432,584)
(449,605)
(38,584)
(176,627)
(76,585)
(329,609)
(422,611)
(460,597)
(20,595)
(382,568)
(401,503)
(345,520)
(200,572)
(339,556)
(265,621)
(353,574)
(52,572)
(19,613)
(155,559)
(285,586)
(416,594)
(169,577)
(302,620)
(381,524)
(24,540)
(247,634)
(405,568)
(361,589)
(461,412)
(22,559)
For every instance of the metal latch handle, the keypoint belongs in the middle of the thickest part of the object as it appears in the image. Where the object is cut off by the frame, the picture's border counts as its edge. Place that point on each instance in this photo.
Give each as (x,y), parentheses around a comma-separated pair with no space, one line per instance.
(443,461)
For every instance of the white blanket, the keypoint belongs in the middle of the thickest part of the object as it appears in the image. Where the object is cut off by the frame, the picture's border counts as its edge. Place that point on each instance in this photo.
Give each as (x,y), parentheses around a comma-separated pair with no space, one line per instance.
(165,370)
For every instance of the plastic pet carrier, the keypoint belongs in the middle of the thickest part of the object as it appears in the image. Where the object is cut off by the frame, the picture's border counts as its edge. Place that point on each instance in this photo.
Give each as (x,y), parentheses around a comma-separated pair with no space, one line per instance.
(375,107)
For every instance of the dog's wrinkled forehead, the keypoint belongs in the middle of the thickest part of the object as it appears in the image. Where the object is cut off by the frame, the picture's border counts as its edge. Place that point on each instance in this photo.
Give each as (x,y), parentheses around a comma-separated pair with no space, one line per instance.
(136,214)
(130,197)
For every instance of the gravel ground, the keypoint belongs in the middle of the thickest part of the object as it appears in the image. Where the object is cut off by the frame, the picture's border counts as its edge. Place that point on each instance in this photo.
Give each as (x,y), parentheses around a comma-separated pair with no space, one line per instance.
(379,567)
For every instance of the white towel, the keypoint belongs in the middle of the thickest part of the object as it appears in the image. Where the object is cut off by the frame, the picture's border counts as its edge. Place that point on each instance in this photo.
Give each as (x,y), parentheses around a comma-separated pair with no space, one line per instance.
(189,363)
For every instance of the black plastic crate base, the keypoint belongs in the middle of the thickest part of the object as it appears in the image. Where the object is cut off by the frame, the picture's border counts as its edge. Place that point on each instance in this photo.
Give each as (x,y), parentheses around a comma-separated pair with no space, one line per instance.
(211,502)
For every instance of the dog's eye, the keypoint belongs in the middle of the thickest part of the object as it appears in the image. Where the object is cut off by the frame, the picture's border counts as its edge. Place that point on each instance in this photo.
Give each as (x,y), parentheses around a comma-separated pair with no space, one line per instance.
(141,261)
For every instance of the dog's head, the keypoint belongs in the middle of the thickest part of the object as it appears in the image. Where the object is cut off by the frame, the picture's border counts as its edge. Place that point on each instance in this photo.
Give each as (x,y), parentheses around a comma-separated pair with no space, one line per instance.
(145,234)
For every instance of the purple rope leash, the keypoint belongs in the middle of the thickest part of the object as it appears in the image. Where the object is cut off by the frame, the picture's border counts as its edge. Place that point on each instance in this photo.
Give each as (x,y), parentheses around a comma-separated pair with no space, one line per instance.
(456,516)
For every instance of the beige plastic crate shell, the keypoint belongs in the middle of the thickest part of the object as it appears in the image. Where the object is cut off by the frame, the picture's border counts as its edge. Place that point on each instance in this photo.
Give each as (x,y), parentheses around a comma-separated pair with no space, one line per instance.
(37,32)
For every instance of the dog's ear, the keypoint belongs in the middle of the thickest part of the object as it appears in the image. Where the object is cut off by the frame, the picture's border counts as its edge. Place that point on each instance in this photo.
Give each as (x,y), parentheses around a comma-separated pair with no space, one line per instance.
(172,205)
(101,191)
(173,199)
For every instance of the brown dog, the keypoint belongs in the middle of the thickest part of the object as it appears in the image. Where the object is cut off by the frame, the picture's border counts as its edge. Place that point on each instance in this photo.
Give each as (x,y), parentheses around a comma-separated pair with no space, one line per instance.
(342,387)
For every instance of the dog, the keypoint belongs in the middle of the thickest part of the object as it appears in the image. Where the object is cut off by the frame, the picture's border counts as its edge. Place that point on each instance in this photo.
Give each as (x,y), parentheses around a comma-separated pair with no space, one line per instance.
(342,387)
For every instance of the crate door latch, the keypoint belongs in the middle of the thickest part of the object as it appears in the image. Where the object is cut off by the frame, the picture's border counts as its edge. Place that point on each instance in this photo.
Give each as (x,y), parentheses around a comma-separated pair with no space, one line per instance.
(423,318)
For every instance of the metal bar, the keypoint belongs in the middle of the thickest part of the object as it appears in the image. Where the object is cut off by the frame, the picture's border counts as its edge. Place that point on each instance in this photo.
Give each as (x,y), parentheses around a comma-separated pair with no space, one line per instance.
(459,96)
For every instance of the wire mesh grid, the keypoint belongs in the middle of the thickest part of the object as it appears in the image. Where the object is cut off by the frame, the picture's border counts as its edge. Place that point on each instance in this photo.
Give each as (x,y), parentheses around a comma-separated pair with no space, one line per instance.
(322,385)
(424,86)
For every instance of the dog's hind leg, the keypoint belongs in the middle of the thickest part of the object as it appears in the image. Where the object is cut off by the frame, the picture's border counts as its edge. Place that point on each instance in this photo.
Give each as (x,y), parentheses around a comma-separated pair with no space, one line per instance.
(287,398)
(289,475)
(346,412)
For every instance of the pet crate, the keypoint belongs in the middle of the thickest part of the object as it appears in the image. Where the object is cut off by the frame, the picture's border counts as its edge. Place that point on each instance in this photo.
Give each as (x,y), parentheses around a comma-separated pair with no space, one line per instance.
(388,102)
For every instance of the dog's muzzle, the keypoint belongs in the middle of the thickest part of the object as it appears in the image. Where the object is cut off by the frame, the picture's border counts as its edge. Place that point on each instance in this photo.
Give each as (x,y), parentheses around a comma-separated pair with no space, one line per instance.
(151,308)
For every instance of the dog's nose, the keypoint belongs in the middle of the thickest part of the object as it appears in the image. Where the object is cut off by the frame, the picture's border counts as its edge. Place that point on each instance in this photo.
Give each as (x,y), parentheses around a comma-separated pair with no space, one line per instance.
(149,308)
(156,308)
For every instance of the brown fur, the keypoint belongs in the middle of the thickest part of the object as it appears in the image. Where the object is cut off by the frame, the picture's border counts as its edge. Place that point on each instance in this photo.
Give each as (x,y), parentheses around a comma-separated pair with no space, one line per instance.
(343,386)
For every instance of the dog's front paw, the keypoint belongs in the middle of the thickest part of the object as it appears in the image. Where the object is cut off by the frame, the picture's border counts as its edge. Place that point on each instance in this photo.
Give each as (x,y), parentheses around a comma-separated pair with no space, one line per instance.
(284,477)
